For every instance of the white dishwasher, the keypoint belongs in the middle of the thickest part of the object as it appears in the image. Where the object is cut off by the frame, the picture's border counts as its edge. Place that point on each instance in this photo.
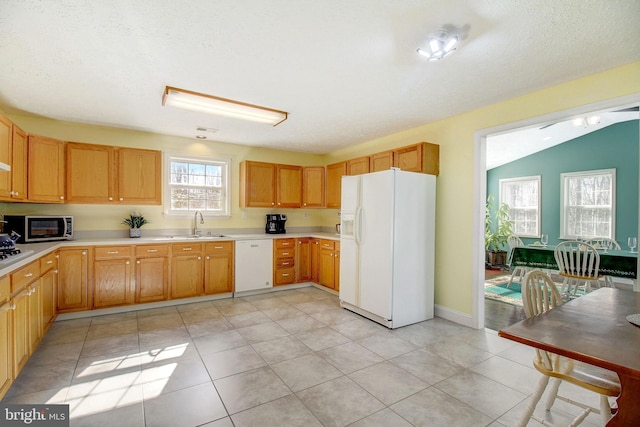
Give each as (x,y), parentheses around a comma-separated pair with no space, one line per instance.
(254,264)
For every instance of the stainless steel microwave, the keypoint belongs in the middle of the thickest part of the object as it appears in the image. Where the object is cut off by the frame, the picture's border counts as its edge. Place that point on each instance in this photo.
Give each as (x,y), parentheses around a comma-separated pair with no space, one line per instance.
(40,228)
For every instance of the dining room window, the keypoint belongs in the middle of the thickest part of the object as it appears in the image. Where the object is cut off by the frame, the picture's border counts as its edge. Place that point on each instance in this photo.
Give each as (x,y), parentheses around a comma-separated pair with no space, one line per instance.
(196,184)
(522,194)
(588,204)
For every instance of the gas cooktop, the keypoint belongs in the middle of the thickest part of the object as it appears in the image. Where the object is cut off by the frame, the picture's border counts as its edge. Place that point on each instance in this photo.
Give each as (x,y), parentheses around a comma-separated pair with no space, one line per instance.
(15,255)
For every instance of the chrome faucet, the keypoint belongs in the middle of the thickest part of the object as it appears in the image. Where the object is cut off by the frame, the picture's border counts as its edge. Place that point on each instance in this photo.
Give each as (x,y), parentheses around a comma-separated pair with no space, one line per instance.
(197,232)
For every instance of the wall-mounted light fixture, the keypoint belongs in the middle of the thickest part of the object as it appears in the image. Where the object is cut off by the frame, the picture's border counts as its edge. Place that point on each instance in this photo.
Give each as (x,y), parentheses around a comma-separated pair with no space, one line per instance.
(195,101)
(440,44)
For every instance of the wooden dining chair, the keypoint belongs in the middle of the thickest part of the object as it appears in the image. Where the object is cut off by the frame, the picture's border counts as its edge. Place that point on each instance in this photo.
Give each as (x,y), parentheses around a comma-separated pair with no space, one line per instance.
(517,271)
(601,243)
(578,263)
(539,295)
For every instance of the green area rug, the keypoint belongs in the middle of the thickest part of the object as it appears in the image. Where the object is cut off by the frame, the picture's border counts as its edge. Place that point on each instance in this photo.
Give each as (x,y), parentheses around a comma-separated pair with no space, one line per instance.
(496,289)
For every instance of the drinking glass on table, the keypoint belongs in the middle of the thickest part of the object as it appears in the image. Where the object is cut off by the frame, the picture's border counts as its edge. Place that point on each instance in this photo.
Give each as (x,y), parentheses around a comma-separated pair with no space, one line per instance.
(544,239)
(632,242)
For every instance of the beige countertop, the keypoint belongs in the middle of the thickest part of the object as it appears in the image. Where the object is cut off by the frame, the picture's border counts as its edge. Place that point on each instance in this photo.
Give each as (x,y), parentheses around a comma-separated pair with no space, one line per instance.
(41,249)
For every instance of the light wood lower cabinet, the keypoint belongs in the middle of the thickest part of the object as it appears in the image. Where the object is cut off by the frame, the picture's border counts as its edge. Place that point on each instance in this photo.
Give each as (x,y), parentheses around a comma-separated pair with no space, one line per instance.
(329,264)
(20,330)
(152,273)
(73,289)
(6,346)
(303,259)
(112,276)
(315,260)
(48,288)
(186,270)
(284,262)
(218,267)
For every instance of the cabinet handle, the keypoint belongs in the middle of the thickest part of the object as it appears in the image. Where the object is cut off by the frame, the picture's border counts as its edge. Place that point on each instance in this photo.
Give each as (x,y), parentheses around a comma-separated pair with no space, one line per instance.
(186,249)
(55,271)
(208,257)
(152,250)
(110,198)
(121,199)
(285,263)
(199,257)
(279,203)
(137,262)
(217,247)
(272,204)
(57,256)
(12,307)
(112,252)
(285,253)
(127,263)
(49,262)
(285,275)
(84,253)
(28,275)
(61,197)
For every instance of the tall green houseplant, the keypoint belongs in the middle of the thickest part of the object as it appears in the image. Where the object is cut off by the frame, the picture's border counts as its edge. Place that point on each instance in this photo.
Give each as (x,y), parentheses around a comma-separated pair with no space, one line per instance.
(497,229)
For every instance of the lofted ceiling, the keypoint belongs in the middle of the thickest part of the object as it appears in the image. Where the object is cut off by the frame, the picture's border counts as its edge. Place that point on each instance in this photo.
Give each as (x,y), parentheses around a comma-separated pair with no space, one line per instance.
(346,71)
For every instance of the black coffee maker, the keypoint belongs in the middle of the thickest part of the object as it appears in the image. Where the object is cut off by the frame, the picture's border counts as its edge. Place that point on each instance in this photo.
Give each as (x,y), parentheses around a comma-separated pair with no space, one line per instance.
(275,224)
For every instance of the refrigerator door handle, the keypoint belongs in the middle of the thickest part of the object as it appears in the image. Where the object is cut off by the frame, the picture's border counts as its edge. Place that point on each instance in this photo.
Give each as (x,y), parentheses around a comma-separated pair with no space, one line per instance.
(357,226)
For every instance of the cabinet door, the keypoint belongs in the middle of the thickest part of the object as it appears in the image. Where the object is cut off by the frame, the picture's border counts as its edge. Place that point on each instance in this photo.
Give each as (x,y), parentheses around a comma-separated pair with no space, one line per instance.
(139,176)
(48,286)
(6,348)
(335,172)
(20,333)
(381,161)
(288,186)
(315,260)
(112,283)
(91,173)
(19,164)
(257,184)
(313,187)
(46,172)
(5,156)
(358,166)
(72,280)
(35,316)
(218,273)
(336,275)
(303,260)
(327,268)
(152,279)
(186,276)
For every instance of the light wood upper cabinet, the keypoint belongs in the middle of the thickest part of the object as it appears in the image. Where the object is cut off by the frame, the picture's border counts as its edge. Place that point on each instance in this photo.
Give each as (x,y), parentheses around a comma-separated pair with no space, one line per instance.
(335,172)
(266,185)
(257,184)
(46,172)
(358,166)
(91,173)
(423,157)
(19,164)
(105,174)
(6,132)
(13,152)
(313,187)
(139,176)
(288,186)
(381,161)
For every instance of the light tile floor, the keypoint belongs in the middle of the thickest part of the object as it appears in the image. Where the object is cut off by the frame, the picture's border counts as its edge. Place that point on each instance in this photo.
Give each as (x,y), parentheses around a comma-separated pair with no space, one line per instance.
(287,358)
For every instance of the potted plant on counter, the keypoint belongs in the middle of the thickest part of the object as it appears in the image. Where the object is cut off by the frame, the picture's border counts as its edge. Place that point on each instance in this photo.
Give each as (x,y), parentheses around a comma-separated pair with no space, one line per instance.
(135,221)
(497,229)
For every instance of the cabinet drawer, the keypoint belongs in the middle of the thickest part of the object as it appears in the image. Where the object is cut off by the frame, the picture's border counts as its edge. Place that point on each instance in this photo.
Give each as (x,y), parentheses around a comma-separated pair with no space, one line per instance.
(185,248)
(102,252)
(5,288)
(285,243)
(285,276)
(285,263)
(48,262)
(327,244)
(284,253)
(212,248)
(22,277)
(152,250)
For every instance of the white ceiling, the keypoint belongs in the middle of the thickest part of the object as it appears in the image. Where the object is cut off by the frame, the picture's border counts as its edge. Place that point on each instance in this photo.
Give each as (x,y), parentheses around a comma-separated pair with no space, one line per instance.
(346,71)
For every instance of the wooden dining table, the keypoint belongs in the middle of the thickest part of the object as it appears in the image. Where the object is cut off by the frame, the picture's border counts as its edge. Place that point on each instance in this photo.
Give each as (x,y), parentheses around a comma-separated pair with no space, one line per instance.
(593,329)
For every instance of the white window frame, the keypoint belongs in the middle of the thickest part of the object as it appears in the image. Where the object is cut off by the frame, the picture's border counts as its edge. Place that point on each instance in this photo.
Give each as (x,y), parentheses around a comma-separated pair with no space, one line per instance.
(226,185)
(564,217)
(528,179)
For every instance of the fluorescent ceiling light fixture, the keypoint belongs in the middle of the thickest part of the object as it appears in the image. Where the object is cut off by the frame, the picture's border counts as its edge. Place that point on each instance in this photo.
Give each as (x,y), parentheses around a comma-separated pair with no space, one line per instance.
(204,103)
(440,44)
(586,121)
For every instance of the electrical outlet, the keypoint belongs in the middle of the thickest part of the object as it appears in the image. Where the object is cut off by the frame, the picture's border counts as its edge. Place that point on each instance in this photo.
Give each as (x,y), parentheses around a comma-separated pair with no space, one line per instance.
(244,214)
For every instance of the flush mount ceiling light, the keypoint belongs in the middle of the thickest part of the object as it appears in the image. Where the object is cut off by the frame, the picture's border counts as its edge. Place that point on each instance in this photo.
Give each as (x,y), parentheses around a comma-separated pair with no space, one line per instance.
(441,43)
(223,107)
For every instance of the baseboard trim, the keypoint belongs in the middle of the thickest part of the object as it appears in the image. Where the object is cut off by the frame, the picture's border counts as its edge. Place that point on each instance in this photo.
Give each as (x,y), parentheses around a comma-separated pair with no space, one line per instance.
(453,315)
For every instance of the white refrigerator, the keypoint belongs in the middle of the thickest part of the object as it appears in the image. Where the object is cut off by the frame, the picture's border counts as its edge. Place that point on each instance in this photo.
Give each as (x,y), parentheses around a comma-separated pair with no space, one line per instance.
(387,246)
